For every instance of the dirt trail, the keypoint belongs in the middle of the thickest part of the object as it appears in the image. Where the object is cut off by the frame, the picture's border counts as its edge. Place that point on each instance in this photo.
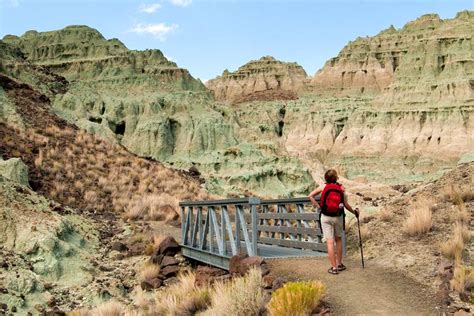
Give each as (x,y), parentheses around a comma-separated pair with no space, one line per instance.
(371,291)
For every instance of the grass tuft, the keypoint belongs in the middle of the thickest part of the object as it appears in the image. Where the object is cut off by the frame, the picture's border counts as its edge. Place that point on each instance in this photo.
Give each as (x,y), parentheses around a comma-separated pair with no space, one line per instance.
(296,298)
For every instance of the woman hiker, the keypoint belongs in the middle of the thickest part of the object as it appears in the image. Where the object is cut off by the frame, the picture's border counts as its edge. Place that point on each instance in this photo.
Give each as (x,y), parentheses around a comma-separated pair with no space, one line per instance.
(332,202)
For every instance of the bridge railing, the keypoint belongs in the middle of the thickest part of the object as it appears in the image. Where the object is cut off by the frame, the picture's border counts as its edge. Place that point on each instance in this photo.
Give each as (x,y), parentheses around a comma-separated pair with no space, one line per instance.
(213,231)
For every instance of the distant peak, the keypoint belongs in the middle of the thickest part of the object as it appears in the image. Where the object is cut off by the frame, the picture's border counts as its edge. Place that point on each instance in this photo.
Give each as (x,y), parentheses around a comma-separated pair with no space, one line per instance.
(268,58)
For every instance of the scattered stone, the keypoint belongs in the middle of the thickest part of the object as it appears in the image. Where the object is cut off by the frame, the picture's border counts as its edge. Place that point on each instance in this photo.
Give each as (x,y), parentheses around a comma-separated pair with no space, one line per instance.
(118,246)
(268,281)
(206,275)
(14,169)
(168,247)
(241,264)
(168,261)
(150,284)
(169,271)
(278,283)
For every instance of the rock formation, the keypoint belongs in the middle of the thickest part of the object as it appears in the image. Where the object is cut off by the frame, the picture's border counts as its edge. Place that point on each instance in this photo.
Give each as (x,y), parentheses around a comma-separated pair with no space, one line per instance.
(258,76)
(148,104)
(428,62)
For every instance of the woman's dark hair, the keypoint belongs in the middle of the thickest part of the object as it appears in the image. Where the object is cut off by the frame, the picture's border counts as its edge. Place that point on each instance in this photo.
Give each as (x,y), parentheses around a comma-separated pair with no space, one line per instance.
(331,176)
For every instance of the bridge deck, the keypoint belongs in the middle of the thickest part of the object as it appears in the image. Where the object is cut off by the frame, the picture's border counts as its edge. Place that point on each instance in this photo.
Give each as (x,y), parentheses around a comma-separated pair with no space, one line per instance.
(269,252)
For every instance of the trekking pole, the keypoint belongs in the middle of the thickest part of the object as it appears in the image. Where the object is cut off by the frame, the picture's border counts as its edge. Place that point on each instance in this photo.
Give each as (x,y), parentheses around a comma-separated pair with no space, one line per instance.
(360,242)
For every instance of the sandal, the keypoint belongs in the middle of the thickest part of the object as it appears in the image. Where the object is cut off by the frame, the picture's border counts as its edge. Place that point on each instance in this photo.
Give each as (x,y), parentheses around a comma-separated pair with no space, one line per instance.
(333,270)
(341,267)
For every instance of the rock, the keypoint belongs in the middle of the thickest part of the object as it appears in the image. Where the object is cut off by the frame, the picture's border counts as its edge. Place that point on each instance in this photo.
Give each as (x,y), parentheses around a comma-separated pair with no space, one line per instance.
(168,247)
(278,283)
(156,258)
(169,271)
(257,76)
(168,261)
(444,267)
(14,169)
(3,306)
(118,246)
(268,281)
(55,312)
(241,264)
(462,312)
(206,275)
(150,284)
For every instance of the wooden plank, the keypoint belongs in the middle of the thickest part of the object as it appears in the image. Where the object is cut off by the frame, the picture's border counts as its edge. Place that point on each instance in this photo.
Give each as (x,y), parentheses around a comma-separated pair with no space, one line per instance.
(314,232)
(294,244)
(290,216)
(238,209)
(287,222)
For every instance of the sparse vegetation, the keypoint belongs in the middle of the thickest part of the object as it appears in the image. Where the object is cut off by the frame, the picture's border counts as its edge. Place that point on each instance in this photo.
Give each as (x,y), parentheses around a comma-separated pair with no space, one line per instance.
(419,220)
(385,215)
(296,298)
(462,279)
(179,296)
(240,297)
(149,271)
(85,172)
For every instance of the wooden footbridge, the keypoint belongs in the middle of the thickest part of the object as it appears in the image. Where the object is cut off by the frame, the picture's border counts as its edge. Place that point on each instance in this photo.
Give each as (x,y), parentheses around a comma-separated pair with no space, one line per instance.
(214,231)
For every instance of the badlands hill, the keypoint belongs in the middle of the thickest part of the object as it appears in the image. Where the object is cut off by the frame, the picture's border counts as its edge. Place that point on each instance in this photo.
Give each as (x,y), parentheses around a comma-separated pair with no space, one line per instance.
(394,107)
(155,109)
(257,77)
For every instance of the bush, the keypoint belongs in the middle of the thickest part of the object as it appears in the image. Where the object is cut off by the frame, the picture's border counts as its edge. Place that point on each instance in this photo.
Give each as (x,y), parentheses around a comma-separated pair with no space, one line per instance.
(463,278)
(453,247)
(419,221)
(239,297)
(385,215)
(296,298)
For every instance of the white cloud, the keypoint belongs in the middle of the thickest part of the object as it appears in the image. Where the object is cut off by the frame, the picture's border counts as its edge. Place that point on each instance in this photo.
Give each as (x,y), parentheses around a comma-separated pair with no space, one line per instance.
(149,8)
(158,30)
(181,3)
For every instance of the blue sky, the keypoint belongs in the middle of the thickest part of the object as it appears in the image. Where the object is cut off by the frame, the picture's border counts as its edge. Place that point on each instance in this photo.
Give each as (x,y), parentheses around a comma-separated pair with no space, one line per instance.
(208,36)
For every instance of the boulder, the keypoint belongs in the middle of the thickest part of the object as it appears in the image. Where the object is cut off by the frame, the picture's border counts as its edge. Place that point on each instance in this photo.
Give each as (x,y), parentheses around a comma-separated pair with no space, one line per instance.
(168,247)
(207,275)
(461,312)
(241,264)
(14,169)
(168,261)
(118,246)
(169,271)
(150,284)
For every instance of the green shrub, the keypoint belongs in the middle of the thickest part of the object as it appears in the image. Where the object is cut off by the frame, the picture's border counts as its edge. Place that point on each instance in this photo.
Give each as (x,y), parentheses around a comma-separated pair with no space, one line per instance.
(296,298)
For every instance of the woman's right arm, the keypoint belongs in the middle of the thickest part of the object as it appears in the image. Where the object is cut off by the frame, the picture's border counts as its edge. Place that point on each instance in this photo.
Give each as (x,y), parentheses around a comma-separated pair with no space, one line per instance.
(314,193)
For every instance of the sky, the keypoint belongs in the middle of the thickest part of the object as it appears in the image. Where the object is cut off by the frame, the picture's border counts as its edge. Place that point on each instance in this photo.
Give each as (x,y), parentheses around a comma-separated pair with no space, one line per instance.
(208,36)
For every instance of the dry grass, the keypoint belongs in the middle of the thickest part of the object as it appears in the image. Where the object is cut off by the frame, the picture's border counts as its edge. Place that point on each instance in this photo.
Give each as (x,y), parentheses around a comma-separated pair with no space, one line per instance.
(149,271)
(385,215)
(97,175)
(462,214)
(454,247)
(296,298)
(463,278)
(457,195)
(111,308)
(419,220)
(241,296)
(176,298)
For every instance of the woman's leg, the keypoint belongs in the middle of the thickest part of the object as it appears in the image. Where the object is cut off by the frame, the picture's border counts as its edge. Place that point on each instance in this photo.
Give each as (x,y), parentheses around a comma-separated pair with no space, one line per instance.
(331,253)
(338,250)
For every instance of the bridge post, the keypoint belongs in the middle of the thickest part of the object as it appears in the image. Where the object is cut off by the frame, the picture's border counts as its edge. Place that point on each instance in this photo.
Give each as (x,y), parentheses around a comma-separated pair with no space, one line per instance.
(253,208)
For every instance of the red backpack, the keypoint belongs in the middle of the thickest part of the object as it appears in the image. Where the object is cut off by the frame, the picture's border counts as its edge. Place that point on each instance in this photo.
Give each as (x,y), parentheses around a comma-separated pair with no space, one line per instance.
(332,199)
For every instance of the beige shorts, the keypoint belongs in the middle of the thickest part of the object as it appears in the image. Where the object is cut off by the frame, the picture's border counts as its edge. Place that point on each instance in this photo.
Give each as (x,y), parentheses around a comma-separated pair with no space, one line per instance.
(332,226)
